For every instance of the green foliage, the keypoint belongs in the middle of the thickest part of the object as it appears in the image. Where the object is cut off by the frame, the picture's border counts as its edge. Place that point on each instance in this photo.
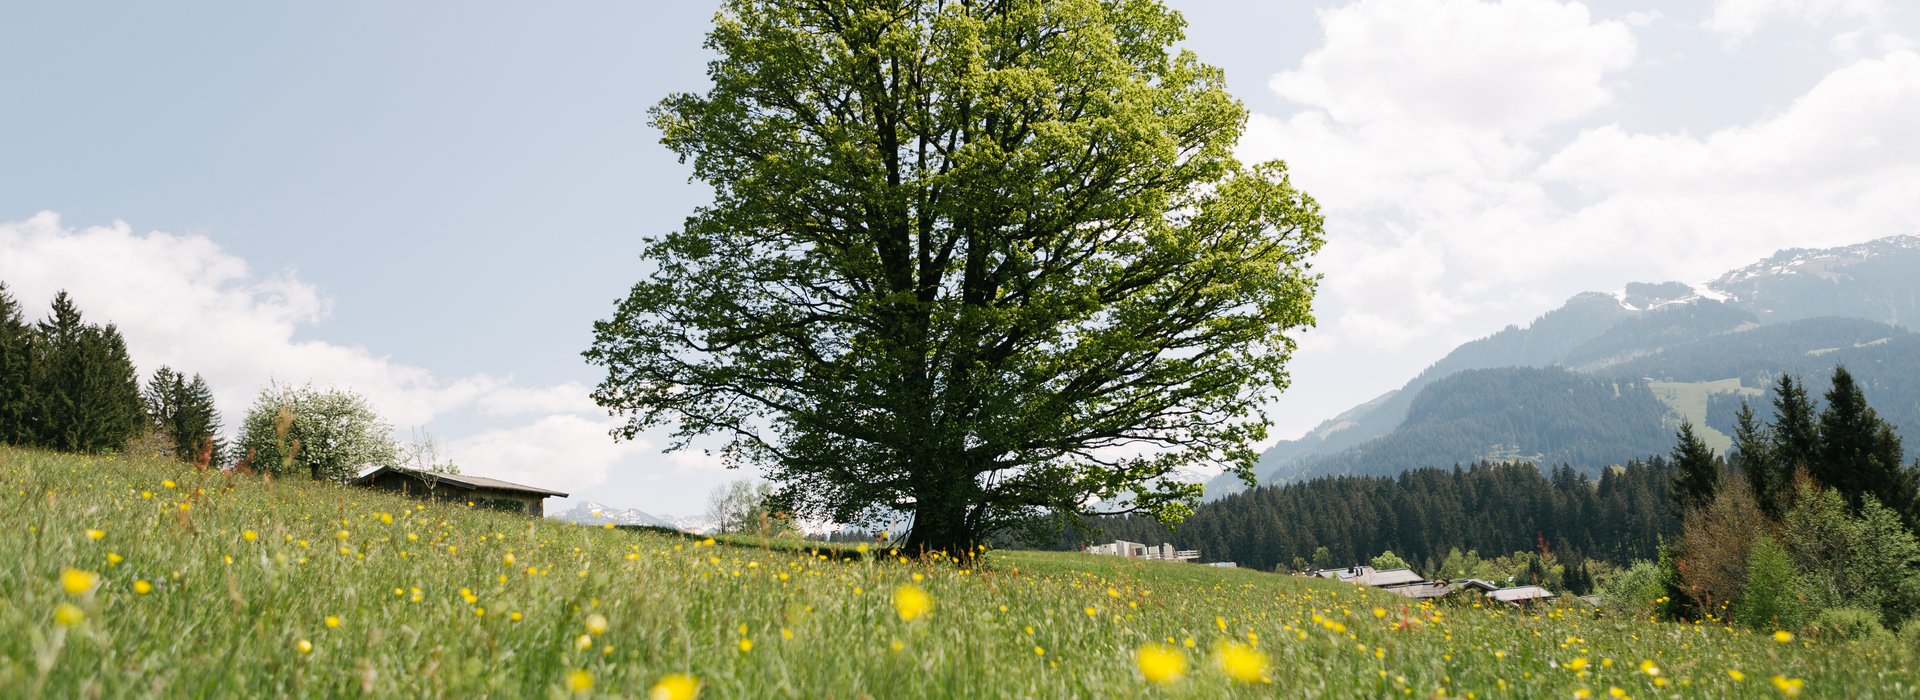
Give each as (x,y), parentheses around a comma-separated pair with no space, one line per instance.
(1771,598)
(1696,471)
(184,414)
(331,435)
(210,627)
(958,250)
(1634,591)
(85,394)
(1858,453)
(1387,560)
(1753,458)
(16,373)
(1796,435)
(1848,624)
(1424,513)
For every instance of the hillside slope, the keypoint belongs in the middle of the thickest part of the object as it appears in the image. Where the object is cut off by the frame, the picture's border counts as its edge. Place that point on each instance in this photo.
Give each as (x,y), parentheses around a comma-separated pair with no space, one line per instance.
(1799,311)
(147,578)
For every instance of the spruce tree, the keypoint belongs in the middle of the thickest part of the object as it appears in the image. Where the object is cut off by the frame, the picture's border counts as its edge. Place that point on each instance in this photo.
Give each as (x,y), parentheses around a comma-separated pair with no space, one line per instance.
(196,427)
(1696,473)
(1753,458)
(1858,453)
(1796,437)
(60,376)
(16,373)
(87,395)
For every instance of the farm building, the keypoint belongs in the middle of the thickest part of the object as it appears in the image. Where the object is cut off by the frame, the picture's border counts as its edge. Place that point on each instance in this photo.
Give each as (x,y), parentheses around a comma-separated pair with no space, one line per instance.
(479,490)
(1136,550)
(1521,595)
(1368,576)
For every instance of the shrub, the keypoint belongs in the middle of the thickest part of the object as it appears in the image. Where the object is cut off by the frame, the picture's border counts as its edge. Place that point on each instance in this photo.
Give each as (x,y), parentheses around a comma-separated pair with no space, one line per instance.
(1847,624)
(1771,598)
(1634,591)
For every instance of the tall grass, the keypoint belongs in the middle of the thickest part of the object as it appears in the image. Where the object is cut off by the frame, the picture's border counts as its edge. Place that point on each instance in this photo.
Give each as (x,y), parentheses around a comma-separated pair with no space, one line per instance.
(302,589)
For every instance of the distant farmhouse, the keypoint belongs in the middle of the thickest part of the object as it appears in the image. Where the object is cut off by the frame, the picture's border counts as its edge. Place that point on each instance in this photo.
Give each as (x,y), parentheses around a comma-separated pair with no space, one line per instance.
(1136,550)
(478,490)
(1407,583)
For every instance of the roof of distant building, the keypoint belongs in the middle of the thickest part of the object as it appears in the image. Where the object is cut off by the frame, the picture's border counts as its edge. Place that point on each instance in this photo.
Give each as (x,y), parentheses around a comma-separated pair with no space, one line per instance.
(465,480)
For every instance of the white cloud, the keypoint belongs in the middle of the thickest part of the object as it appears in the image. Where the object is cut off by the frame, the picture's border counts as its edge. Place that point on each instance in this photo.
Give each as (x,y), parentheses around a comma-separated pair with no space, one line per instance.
(1841,163)
(1515,66)
(561,452)
(1737,20)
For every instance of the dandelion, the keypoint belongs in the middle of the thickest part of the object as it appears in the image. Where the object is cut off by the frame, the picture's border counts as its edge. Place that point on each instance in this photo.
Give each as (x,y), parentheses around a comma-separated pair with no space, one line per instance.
(332,622)
(1379,612)
(514,616)
(584,643)
(596,624)
(1039,651)
(1161,664)
(1091,612)
(467,595)
(1242,662)
(77,582)
(579,680)
(114,559)
(1783,636)
(68,615)
(1577,664)
(676,686)
(1790,686)
(93,534)
(167,484)
(249,535)
(1736,675)
(1647,667)
(141,587)
(911,602)
(746,645)
(304,646)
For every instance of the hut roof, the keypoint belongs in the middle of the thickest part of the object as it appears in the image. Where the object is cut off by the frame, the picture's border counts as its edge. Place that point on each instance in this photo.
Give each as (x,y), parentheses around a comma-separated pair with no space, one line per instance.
(466,480)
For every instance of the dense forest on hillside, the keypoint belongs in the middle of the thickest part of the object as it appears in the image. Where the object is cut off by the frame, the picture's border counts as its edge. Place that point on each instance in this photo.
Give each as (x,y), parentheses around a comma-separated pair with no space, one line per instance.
(1542,415)
(1423,513)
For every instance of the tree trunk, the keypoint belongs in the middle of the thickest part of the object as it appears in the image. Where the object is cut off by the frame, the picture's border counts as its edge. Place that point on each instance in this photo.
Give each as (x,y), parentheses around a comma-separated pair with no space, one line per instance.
(940,525)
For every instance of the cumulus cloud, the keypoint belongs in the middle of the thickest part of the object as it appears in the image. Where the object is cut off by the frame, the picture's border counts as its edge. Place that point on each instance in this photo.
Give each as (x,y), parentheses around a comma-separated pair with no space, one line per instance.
(1515,66)
(182,301)
(1737,20)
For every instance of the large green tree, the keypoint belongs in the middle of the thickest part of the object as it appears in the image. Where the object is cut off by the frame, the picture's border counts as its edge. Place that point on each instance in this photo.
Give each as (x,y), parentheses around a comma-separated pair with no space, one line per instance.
(86,391)
(1859,454)
(16,372)
(184,414)
(971,261)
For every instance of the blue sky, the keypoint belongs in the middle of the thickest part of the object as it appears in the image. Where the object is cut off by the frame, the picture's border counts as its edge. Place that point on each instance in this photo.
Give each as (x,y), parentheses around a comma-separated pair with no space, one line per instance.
(430,203)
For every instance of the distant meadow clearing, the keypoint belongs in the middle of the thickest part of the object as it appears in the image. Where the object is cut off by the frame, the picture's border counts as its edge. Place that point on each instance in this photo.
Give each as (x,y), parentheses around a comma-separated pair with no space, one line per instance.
(148,578)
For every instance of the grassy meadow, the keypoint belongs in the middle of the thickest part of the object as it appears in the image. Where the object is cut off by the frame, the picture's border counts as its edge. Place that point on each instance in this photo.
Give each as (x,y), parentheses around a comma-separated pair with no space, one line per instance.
(147,578)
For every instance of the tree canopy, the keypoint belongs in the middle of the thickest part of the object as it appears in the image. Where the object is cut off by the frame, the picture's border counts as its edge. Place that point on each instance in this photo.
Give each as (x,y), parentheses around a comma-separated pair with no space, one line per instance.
(333,434)
(975,262)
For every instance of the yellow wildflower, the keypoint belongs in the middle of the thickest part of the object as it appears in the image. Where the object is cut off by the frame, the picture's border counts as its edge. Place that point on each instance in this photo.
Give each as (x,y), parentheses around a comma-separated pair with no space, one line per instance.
(1242,662)
(78,582)
(579,681)
(68,615)
(746,645)
(1736,675)
(93,534)
(1161,664)
(1647,667)
(1790,686)
(676,686)
(332,622)
(141,587)
(596,624)
(911,602)
(1783,636)
(304,646)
